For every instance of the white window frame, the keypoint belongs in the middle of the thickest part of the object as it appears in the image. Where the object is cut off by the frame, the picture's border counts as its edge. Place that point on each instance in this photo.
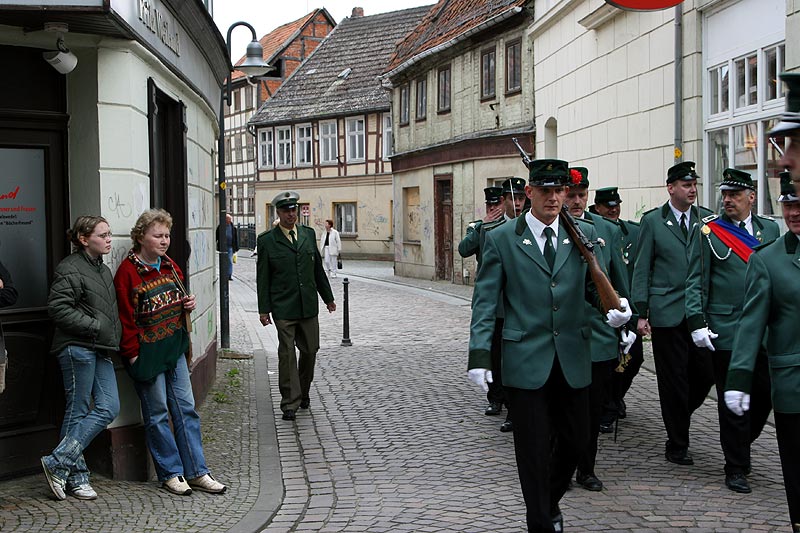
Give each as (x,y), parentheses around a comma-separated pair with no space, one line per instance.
(345,215)
(329,142)
(283,136)
(388,136)
(304,134)
(356,140)
(266,148)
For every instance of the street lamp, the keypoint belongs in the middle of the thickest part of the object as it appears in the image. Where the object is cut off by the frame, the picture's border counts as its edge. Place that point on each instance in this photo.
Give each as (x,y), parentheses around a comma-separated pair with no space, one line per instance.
(253,65)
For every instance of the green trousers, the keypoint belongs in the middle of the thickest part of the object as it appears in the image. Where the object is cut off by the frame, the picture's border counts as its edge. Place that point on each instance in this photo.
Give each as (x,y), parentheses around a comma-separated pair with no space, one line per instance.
(296,374)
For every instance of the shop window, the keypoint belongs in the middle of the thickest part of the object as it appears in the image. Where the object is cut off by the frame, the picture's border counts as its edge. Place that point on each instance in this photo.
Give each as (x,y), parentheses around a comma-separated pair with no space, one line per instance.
(774,59)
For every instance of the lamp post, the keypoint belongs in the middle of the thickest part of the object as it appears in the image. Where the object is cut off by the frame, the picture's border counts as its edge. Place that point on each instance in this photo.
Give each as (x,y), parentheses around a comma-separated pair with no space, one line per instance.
(253,65)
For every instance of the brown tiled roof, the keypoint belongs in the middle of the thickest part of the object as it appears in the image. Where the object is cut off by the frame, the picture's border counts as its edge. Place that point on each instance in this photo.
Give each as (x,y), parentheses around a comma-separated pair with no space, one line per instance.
(448,20)
(280,38)
(322,87)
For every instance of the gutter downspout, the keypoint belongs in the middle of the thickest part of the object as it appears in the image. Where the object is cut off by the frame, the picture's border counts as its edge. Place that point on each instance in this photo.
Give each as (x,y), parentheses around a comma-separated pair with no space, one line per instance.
(678,83)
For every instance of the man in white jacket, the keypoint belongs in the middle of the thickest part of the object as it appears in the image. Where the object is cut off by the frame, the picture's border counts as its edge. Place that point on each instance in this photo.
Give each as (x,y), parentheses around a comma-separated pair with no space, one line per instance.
(329,245)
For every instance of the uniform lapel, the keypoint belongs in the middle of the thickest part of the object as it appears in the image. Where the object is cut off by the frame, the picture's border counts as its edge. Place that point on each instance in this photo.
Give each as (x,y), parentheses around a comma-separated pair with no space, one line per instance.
(672,223)
(792,248)
(301,236)
(758,228)
(281,239)
(527,243)
(563,249)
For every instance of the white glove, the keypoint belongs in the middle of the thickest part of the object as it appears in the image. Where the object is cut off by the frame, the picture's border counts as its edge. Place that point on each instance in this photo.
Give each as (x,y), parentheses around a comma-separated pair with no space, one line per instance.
(702,338)
(480,377)
(628,338)
(737,401)
(617,317)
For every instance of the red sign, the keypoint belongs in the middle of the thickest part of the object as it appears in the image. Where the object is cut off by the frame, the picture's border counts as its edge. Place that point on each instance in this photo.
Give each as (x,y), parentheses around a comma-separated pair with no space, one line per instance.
(644,5)
(305,210)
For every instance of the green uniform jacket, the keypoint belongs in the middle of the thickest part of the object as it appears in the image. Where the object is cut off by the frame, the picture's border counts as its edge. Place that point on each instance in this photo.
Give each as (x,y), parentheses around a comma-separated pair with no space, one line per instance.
(544,313)
(714,286)
(659,275)
(771,306)
(630,238)
(469,245)
(605,339)
(289,278)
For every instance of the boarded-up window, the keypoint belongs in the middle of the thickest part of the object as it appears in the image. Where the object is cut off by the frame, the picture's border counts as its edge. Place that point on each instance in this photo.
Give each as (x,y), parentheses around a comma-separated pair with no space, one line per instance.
(412,223)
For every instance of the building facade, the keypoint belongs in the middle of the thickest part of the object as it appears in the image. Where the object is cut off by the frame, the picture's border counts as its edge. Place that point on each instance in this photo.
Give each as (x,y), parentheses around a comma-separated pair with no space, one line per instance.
(131,124)
(327,133)
(607,82)
(462,88)
(285,48)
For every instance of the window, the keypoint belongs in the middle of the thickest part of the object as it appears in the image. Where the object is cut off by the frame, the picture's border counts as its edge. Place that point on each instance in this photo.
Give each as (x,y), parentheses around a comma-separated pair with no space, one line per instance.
(746,70)
(412,215)
(488,74)
(248,97)
(404,105)
(237,100)
(284,146)
(422,98)
(355,139)
(775,64)
(388,139)
(329,143)
(265,149)
(719,81)
(346,218)
(443,99)
(250,147)
(304,145)
(227,149)
(237,148)
(514,66)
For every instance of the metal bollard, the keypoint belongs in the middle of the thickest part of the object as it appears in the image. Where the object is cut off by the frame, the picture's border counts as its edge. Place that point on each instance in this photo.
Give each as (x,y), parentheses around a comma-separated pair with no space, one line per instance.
(346,322)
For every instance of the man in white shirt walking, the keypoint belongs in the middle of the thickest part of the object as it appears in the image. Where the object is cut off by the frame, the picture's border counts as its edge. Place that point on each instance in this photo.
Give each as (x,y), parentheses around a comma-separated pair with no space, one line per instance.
(329,245)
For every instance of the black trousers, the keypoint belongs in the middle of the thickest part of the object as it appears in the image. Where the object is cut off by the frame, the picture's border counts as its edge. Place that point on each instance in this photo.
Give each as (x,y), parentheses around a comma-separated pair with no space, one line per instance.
(787,428)
(551,428)
(685,376)
(599,390)
(496,393)
(621,382)
(737,432)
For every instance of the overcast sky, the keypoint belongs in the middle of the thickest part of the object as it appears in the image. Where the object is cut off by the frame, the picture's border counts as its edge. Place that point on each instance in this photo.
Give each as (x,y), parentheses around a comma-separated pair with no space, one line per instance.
(265,16)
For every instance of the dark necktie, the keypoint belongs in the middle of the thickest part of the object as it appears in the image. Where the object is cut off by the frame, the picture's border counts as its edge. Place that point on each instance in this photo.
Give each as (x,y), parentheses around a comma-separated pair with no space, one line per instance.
(549,251)
(684,229)
(294,241)
(743,226)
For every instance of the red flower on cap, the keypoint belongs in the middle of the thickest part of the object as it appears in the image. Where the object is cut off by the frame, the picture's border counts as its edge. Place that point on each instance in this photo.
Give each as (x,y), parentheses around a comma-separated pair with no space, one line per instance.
(576,176)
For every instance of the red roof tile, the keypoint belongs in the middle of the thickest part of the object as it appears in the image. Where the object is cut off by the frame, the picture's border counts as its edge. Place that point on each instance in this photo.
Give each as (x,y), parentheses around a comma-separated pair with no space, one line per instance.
(445,22)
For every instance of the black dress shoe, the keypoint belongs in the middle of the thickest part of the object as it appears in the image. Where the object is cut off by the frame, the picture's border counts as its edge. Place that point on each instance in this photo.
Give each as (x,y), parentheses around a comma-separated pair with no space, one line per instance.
(679,457)
(738,483)
(304,404)
(493,409)
(607,427)
(288,414)
(622,410)
(589,482)
(507,426)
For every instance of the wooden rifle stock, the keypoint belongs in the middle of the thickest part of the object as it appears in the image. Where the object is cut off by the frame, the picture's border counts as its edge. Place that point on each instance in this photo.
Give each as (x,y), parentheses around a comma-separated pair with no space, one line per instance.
(608,296)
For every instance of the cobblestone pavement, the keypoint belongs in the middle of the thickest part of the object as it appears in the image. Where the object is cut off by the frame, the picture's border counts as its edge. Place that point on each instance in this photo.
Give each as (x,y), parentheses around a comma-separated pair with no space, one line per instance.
(396,440)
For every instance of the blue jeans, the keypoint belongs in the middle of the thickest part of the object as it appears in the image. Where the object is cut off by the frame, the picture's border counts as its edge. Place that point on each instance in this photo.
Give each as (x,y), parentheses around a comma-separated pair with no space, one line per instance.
(87,376)
(169,395)
(230,262)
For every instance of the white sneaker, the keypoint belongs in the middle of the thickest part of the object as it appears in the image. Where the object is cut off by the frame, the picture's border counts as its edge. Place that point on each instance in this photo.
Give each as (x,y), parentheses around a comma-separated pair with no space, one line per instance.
(56,485)
(177,485)
(83,492)
(207,483)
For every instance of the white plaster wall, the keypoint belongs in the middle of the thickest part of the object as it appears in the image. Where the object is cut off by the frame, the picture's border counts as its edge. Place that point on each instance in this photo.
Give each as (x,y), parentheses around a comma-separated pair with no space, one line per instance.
(611,90)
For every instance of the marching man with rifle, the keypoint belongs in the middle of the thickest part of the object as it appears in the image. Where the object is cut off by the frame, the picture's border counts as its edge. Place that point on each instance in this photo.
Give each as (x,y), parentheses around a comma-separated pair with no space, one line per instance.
(545,268)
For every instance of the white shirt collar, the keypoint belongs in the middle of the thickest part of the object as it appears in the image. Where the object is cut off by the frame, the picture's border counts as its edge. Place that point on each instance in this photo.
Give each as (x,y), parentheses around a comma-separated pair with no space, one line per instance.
(677,212)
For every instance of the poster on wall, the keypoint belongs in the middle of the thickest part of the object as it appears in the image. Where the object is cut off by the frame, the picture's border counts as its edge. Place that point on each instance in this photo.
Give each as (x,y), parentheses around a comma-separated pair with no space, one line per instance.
(23,229)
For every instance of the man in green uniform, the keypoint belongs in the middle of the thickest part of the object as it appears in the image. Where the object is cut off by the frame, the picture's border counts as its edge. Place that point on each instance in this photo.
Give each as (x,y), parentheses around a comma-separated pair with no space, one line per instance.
(470,244)
(718,256)
(546,364)
(289,275)
(605,345)
(607,202)
(684,373)
(771,306)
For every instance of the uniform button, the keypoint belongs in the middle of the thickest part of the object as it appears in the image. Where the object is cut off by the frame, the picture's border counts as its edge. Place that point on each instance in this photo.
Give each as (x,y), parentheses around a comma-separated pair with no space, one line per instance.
(555,333)
(555,308)
(553,284)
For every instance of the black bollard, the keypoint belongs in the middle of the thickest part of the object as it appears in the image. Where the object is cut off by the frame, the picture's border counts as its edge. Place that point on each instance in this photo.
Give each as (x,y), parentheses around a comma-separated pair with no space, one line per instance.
(346,323)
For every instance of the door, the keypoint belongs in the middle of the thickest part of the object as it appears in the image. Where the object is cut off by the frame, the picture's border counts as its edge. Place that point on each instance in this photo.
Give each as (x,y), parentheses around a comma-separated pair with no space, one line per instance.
(443,222)
(33,200)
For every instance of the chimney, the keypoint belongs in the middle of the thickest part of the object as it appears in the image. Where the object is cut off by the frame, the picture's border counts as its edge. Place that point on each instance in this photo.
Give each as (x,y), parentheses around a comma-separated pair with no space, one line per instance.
(357,12)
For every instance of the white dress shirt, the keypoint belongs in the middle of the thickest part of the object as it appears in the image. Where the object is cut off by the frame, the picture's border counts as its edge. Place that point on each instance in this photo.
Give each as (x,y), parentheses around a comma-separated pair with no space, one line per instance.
(678,214)
(537,228)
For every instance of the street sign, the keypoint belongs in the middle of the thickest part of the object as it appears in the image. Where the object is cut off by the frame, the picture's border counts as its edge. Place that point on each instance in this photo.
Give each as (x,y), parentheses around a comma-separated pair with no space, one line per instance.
(305,210)
(644,5)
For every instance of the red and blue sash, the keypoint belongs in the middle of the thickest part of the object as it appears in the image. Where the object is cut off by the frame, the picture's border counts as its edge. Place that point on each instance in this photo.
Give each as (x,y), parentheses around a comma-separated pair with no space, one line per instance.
(737,239)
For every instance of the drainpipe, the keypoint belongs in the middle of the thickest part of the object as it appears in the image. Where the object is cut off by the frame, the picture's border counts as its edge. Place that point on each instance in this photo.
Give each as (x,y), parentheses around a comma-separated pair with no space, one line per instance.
(678,83)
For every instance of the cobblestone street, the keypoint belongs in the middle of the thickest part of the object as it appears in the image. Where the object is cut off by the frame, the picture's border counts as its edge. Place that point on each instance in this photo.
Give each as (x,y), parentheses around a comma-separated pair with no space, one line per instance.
(396,440)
